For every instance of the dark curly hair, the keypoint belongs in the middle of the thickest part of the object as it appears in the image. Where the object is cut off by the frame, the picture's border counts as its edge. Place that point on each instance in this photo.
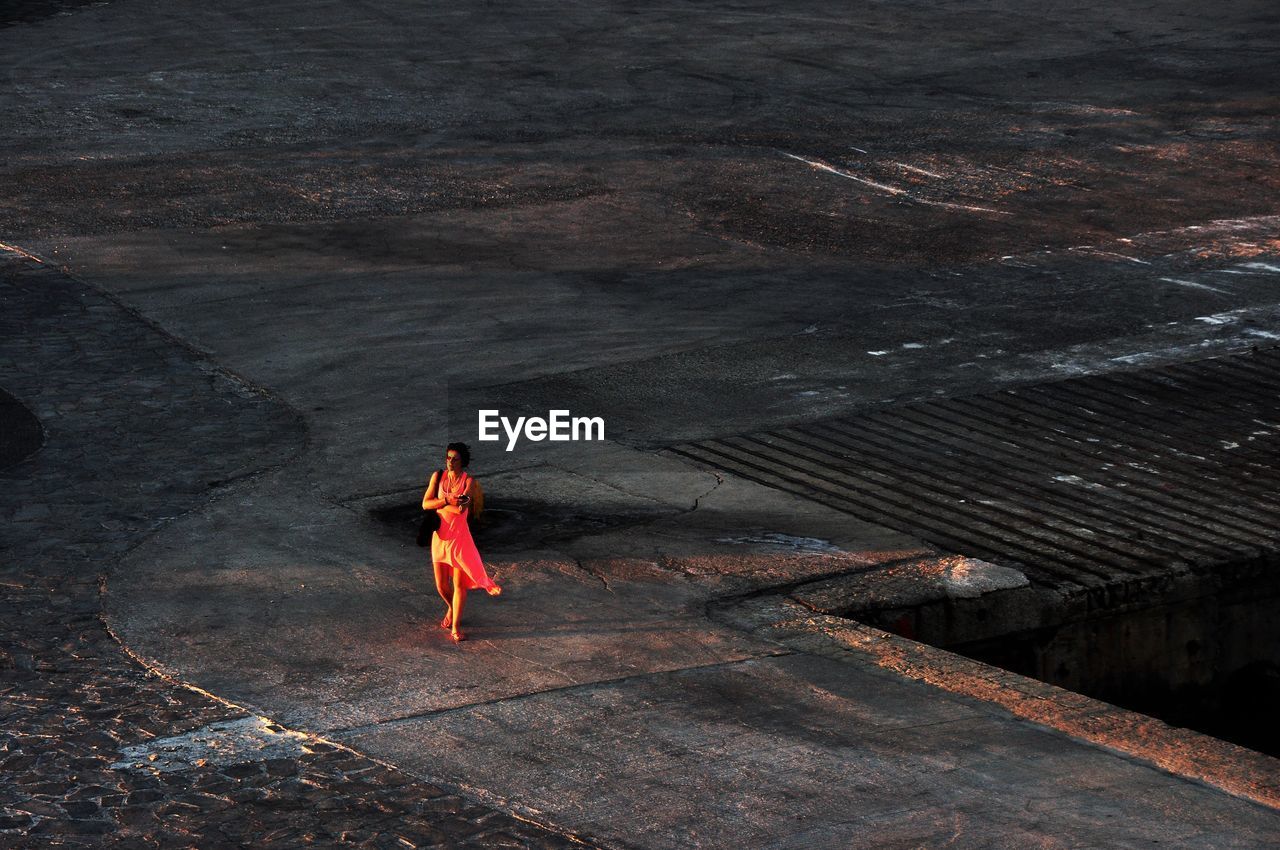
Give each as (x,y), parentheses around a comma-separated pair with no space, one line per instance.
(464,453)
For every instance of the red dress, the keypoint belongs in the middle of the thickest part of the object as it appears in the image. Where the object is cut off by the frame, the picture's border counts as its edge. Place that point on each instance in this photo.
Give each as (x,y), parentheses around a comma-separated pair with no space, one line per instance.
(452,544)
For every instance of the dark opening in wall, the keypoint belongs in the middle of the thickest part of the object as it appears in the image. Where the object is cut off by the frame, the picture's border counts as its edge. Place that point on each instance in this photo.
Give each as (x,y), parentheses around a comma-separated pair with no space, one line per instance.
(1198,650)
(1207,663)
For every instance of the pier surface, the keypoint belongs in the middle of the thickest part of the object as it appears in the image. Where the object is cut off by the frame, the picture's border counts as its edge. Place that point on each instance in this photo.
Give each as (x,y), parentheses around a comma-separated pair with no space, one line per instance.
(854,291)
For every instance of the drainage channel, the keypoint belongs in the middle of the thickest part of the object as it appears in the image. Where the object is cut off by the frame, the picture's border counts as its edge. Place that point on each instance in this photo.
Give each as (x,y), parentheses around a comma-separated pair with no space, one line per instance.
(1143,507)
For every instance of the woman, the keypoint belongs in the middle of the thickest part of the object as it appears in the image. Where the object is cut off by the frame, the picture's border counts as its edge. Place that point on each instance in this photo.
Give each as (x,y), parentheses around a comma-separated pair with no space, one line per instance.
(454,494)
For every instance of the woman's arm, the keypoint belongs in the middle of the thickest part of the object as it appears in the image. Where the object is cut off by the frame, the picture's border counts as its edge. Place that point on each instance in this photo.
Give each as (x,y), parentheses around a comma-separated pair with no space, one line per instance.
(429,500)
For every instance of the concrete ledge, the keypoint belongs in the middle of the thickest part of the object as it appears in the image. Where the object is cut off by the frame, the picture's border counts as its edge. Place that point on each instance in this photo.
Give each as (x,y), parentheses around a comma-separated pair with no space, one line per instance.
(1235,770)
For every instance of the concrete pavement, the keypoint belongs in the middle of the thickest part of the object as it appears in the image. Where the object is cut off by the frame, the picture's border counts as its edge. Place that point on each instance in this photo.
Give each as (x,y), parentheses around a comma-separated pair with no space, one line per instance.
(342,230)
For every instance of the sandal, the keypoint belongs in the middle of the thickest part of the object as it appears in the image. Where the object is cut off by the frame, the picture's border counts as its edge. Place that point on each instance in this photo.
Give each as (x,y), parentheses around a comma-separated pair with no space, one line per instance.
(458,637)
(447,622)
(496,590)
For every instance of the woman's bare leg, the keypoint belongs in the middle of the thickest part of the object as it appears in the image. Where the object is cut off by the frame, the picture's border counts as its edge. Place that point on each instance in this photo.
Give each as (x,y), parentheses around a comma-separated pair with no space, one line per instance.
(443,572)
(459,600)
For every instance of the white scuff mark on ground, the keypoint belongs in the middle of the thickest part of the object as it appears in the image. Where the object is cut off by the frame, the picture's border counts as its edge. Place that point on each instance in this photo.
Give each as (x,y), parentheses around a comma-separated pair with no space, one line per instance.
(966,207)
(896,191)
(224,743)
(1235,232)
(1095,250)
(1261,334)
(1227,444)
(1079,482)
(1164,354)
(877,353)
(786,376)
(1263,224)
(778,540)
(916,170)
(913,345)
(1016,262)
(808,393)
(1193,284)
(1245,223)
(1219,319)
(822,166)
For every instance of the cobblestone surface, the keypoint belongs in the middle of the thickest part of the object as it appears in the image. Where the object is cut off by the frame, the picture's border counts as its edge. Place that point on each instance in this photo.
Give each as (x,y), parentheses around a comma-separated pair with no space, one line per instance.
(141,429)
